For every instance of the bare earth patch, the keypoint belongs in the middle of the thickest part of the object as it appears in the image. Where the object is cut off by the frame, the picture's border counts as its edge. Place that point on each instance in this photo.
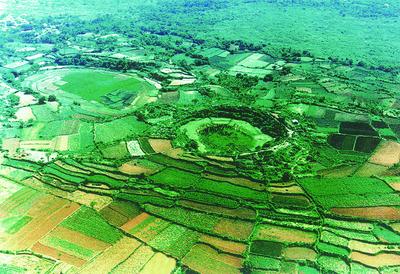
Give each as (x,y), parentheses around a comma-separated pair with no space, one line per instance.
(226,246)
(395,185)
(132,168)
(380,260)
(377,213)
(205,259)
(159,264)
(61,142)
(11,144)
(371,248)
(387,154)
(234,228)
(160,145)
(300,253)
(25,99)
(134,222)
(58,255)
(79,239)
(35,230)
(25,114)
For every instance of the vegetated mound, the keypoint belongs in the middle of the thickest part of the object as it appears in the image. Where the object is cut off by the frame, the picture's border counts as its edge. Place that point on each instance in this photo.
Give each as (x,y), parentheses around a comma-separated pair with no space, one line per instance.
(222,136)
(259,118)
(229,130)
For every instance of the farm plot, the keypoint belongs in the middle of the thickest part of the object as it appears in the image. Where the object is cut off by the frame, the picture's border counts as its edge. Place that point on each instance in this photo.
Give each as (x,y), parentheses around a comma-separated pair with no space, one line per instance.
(136,261)
(387,154)
(262,263)
(145,227)
(205,259)
(266,248)
(290,201)
(369,169)
(7,189)
(134,148)
(139,166)
(24,263)
(29,215)
(25,114)
(118,130)
(269,232)
(230,228)
(350,192)
(229,247)
(180,179)
(160,145)
(175,240)
(120,212)
(83,140)
(117,151)
(112,256)
(188,97)
(355,128)
(342,141)
(73,243)
(90,223)
(253,65)
(299,253)
(241,213)
(375,213)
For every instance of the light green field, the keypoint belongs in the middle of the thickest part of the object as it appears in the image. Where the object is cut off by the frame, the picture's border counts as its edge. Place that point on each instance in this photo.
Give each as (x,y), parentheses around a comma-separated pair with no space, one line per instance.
(93,84)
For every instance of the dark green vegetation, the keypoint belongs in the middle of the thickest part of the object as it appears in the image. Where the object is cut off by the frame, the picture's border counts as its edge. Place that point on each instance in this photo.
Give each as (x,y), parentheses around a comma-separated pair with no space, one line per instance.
(223,136)
(215,137)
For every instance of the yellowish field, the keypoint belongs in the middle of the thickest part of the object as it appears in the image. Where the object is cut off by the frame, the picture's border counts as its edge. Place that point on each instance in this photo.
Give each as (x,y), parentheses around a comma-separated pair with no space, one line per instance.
(136,261)
(110,258)
(46,212)
(159,264)
(371,248)
(11,144)
(205,259)
(24,114)
(299,253)
(379,260)
(387,154)
(226,246)
(25,99)
(98,202)
(284,234)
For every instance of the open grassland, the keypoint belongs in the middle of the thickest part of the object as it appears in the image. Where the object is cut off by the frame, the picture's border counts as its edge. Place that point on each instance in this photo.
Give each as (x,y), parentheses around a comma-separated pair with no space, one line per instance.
(92,85)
